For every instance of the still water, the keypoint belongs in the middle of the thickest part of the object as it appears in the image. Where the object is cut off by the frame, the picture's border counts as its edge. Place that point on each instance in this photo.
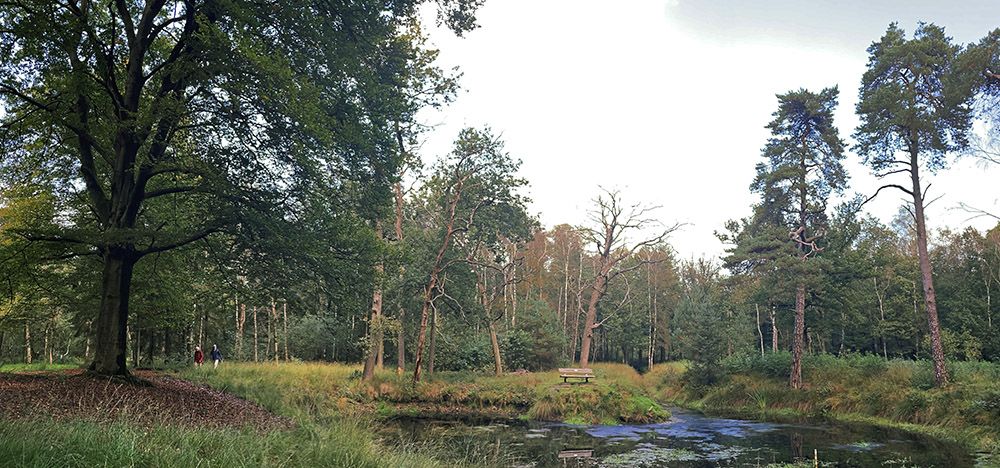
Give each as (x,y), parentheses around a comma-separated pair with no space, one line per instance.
(689,439)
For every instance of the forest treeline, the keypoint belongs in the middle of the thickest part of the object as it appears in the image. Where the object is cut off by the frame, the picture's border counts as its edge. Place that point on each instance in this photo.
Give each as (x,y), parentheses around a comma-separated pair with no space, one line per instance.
(194,175)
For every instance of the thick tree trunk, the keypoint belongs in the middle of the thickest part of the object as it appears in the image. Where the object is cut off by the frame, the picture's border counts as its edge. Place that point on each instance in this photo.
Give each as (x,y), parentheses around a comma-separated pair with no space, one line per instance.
(374,328)
(596,292)
(112,319)
(136,346)
(421,332)
(86,349)
(433,344)
(798,336)
(497,361)
(927,273)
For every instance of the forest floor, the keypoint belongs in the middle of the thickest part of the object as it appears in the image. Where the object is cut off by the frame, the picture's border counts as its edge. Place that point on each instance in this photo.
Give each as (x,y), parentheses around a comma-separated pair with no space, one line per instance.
(75,395)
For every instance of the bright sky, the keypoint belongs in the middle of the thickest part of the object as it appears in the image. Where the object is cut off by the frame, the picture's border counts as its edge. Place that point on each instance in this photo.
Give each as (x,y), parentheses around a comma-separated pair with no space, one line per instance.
(667,99)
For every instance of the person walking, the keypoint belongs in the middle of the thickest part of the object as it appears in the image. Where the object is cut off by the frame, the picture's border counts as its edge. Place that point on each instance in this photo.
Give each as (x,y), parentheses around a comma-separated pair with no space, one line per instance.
(216,356)
(199,357)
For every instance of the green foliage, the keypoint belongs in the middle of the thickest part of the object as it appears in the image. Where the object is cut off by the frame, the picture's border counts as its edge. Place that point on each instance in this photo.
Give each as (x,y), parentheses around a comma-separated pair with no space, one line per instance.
(699,319)
(912,99)
(464,351)
(538,341)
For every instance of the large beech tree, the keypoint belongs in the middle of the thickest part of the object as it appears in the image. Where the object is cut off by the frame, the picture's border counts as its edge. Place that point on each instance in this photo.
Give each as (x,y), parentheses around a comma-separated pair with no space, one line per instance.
(248,111)
(914,110)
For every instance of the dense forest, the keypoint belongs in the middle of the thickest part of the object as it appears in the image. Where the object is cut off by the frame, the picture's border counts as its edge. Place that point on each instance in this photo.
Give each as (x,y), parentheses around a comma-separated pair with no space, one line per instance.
(191,174)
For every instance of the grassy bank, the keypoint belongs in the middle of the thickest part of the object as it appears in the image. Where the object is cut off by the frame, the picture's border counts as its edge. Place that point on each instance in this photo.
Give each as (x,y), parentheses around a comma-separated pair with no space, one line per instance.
(323,434)
(86,444)
(855,389)
(336,418)
(320,391)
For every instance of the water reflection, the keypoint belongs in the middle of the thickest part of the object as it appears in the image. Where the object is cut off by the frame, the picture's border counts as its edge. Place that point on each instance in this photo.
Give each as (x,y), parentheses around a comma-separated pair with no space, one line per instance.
(688,440)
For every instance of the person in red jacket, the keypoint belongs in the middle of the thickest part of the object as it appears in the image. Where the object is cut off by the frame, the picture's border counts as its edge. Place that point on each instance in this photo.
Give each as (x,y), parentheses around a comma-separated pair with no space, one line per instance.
(199,357)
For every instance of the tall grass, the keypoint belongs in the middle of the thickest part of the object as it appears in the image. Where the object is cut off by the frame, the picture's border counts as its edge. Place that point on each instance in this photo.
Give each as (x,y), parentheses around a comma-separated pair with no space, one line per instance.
(86,444)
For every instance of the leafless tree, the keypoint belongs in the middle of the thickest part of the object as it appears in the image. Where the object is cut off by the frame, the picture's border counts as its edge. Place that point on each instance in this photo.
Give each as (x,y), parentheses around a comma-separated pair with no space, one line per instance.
(611,224)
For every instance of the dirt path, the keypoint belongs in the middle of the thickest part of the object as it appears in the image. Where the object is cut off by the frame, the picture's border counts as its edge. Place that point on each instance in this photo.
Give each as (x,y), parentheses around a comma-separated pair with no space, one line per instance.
(169,400)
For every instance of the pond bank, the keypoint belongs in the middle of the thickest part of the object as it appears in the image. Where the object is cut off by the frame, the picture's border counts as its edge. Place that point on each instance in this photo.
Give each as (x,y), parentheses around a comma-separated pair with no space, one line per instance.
(852,391)
(616,396)
(689,439)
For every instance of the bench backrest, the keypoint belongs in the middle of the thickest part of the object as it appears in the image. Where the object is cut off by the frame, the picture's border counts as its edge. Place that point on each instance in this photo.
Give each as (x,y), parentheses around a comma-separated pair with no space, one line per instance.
(573,370)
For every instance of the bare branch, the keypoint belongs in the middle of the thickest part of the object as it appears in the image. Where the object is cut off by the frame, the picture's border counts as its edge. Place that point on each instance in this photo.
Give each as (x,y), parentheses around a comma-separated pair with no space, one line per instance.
(900,187)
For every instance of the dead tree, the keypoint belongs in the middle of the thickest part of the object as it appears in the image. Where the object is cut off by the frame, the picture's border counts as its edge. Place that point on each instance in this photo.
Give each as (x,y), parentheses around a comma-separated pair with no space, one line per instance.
(612,222)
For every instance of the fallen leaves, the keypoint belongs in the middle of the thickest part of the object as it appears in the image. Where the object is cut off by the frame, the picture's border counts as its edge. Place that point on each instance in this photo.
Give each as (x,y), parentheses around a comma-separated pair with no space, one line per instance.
(168,400)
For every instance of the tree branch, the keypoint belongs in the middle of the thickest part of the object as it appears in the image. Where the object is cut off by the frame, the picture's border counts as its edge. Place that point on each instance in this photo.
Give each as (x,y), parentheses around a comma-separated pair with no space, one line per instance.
(900,187)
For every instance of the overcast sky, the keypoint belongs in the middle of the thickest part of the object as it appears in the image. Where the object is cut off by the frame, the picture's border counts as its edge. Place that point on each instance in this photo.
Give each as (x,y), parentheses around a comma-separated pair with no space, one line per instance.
(667,99)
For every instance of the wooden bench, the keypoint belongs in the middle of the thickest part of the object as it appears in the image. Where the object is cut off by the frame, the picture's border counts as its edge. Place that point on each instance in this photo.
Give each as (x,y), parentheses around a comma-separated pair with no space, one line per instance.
(576,454)
(575,373)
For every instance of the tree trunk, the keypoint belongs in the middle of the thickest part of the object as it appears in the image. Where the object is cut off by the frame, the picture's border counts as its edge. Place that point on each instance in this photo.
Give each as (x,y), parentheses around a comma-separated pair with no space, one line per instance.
(86,349)
(433,344)
(255,342)
(774,331)
(274,328)
(135,346)
(401,346)
(652,315)
(239,329)
(397,188)
(46,350)
(881,322)
(797,337)
(201,327)
(112,319)
(374,326)
(432,282)
(27,342)
(927,272)
(760,332)
(284,313)
(596,292)
(497,361)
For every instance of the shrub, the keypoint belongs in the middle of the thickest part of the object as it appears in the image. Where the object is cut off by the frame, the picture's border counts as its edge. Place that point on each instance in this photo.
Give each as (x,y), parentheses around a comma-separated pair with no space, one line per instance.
(538,341)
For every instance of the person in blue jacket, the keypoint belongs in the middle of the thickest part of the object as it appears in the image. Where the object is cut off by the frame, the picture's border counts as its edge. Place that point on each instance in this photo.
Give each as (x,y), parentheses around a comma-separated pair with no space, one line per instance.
(216,356)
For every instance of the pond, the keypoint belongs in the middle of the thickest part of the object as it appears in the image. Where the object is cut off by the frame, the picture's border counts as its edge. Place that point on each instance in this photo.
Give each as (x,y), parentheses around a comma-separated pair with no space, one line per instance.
(689,439)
